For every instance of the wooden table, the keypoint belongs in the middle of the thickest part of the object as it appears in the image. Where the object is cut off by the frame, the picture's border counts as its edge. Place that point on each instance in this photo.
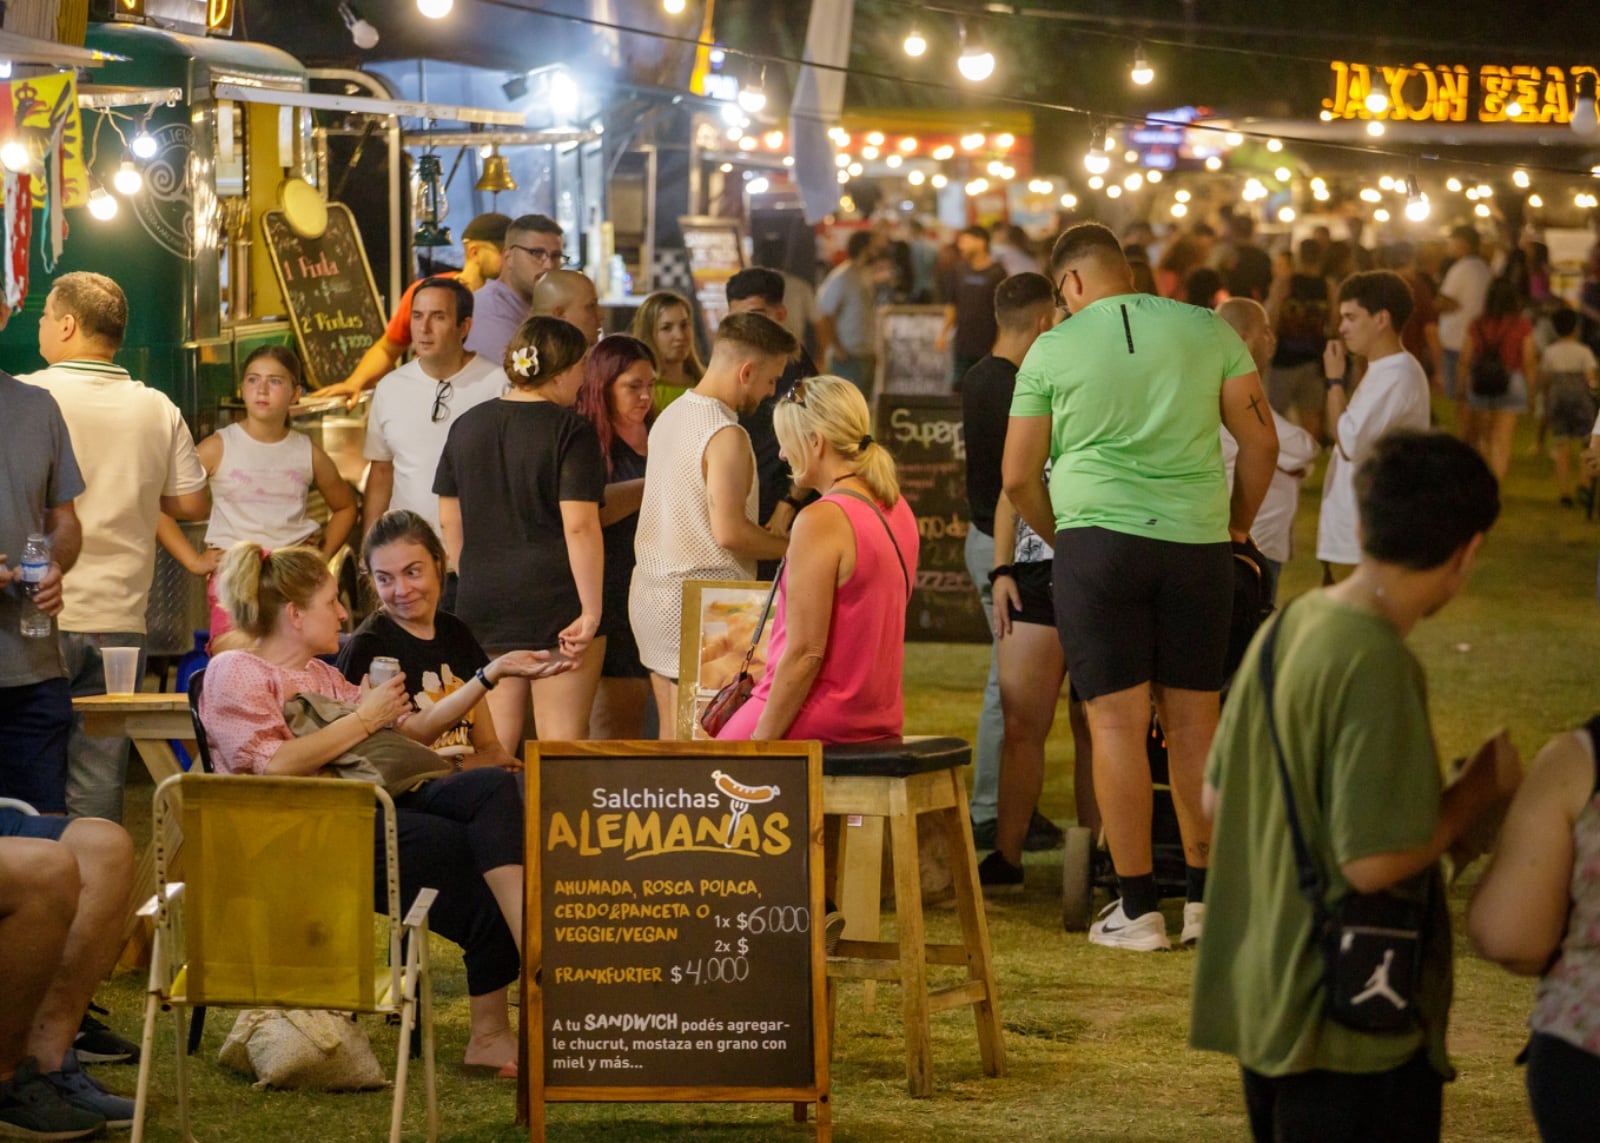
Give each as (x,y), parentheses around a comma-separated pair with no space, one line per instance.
(151,722)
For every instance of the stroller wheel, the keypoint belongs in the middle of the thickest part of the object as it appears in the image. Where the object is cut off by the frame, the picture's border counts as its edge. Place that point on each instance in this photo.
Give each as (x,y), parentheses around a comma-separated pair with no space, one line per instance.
(1077,883)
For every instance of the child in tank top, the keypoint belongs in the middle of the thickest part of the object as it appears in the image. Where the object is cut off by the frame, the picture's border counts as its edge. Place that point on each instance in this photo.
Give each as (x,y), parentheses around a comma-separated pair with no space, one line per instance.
(261,473)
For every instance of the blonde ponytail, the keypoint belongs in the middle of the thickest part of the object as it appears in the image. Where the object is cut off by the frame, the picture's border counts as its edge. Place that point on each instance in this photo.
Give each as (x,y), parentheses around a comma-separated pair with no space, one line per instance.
(253,585)
(834,409)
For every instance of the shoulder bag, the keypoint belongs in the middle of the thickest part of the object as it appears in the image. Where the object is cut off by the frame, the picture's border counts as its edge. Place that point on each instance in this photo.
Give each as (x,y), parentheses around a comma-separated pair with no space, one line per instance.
(1489,375)
(385,758)
(1371,943)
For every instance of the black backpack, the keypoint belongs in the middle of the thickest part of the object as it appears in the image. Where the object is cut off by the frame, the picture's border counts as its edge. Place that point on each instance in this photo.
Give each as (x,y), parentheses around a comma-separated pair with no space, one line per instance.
(1490,377)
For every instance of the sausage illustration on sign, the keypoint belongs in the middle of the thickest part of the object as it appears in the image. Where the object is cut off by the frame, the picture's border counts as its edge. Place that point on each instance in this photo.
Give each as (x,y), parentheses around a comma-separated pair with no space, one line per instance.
(741,797)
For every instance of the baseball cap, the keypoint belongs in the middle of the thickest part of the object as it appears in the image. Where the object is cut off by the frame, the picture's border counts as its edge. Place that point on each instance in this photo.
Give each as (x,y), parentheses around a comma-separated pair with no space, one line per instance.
(489,227)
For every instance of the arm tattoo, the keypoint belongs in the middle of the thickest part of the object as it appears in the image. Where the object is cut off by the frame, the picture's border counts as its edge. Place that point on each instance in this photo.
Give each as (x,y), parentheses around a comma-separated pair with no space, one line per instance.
(1255,407)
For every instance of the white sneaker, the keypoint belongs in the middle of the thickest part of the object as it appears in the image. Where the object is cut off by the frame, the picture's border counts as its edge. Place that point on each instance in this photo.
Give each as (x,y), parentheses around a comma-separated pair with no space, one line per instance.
(1194,919)
(1146,934)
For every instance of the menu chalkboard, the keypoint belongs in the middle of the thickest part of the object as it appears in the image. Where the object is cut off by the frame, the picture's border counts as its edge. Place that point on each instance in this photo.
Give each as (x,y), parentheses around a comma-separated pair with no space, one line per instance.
(328,287)
(673,936)
(716,253)
(925,435)
(908,360)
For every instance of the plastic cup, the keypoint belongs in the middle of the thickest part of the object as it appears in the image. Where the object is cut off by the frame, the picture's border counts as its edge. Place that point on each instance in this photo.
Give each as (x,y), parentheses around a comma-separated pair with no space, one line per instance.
(122,669)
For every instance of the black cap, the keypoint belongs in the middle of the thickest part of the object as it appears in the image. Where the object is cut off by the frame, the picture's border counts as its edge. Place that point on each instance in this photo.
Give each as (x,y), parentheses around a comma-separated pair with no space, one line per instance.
(489,227)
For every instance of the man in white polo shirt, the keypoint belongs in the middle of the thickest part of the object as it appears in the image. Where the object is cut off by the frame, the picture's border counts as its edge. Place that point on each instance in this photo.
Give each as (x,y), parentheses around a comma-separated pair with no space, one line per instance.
(413,406)
(138,461)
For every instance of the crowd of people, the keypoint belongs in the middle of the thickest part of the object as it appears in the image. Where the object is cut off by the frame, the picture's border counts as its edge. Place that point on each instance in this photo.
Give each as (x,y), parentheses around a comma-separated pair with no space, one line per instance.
(1135,417)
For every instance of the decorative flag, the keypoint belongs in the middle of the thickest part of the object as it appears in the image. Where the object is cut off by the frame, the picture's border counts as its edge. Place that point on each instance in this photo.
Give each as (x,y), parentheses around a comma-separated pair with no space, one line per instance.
(19,233)
(818,102)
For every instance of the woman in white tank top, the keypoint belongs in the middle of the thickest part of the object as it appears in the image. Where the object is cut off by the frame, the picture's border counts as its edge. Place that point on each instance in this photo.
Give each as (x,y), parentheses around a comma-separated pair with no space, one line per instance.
(261,474)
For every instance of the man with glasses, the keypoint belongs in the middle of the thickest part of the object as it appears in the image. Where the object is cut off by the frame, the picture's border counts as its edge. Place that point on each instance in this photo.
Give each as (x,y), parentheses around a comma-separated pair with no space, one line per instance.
(413,407)
(1127,399)
(533,248)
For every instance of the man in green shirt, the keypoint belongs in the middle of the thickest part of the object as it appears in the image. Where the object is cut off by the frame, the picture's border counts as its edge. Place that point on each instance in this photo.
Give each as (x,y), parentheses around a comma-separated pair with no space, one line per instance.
(1127,398)
(1351,710)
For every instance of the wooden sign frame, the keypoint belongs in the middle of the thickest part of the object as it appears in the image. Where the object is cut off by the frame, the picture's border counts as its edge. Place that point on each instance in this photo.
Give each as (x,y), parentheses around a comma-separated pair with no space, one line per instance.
(533,1093)
(711,281)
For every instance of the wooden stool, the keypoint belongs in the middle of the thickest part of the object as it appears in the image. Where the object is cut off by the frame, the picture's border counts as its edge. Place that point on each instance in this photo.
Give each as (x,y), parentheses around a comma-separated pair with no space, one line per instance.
(897,780)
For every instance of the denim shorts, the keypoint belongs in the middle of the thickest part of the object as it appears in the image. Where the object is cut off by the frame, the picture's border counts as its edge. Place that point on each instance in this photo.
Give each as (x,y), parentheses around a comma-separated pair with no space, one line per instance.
(1513,400)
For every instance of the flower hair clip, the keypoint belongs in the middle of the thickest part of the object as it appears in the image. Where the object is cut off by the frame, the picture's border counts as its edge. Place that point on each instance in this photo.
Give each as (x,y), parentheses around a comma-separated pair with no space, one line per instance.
(525,361)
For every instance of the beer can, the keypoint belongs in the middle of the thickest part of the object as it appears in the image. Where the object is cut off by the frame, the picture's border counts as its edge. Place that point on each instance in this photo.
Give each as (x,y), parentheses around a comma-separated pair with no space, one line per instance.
(383,668)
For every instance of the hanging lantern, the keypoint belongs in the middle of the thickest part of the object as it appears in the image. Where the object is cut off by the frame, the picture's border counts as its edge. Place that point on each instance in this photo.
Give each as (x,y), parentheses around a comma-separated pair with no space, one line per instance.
(428,205)
(496,175)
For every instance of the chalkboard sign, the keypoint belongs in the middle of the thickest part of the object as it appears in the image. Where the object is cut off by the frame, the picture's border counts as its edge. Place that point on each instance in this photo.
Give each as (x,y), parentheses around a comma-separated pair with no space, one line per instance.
(925,435)
(674,924)
(328,287)
(908,362)
(716,254)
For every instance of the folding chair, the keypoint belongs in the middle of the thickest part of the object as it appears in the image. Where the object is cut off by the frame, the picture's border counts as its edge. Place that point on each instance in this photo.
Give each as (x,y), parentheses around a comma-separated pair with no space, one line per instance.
(277,913)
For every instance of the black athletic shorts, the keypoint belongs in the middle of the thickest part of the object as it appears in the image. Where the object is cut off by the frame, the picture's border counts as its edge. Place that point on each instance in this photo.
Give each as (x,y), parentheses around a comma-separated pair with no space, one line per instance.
(1033,586)
(1134,610)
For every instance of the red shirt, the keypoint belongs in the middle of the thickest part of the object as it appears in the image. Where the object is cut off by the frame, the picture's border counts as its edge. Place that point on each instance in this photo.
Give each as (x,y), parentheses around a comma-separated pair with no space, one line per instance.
(1507,333)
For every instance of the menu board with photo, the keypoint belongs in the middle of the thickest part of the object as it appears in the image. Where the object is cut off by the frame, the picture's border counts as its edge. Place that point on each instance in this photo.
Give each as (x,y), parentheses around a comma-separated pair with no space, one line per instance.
(716,253)
(719,620)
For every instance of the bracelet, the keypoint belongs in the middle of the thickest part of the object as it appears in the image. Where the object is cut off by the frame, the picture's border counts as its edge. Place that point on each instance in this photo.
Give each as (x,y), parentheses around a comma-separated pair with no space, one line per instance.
(1335,382)
(1002,570)
(483,678)
(362,720)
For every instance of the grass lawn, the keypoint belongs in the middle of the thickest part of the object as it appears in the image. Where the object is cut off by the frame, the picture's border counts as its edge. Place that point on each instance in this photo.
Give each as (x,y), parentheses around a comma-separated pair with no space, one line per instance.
(1095,1039)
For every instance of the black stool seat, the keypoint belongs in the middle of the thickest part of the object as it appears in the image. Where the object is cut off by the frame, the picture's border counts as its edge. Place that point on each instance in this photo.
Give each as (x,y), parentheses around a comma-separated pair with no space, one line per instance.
(894,757)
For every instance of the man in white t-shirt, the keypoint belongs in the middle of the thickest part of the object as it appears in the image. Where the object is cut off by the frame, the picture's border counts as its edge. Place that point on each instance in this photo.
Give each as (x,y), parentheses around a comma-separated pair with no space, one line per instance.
(1460,300)
(1273,531)
(138,460)
(413,406)
(1373,309)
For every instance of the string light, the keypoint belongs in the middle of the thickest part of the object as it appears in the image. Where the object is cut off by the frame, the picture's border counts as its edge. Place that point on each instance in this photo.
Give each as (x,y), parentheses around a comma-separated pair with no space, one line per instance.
(856,170)
(1386,183)
(1134,181)
(1453,185)
(1113,191)
(1153,177)
(869,153)
(1069,201)
(1536,202)
(754,98)
(1097,162)
(1141,73)
(127,181)
(915,43)
(908,145)
(1481,210)
(144,144)
(1377,102)
(1375,128)
(894,161)
(1274,145)
(1283,174)
(1005,140)
(1182,196)
(841,160)
(674,7)
(1380,215)
(1520,178)
(874,138)
(102,206)
(971,142)
(1096,182)
(976,63)
(1368,194)
(1214,163)
(1179,210)
(1286,214)
(916,178)
(1485,190)
(944,152)
(1417,206)
(1233,139)
(940,181)
(977,187)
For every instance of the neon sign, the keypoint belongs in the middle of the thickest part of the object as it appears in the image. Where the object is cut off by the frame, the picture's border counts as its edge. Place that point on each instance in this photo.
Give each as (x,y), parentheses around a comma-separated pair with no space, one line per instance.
(1455,93)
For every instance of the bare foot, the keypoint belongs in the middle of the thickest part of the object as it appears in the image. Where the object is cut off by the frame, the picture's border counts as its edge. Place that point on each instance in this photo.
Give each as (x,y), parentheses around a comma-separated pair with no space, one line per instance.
(491,1051)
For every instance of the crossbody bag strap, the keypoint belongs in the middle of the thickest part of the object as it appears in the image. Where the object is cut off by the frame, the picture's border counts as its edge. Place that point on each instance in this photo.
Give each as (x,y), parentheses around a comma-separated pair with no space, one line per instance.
(766,613)
(882,519)
(1312,886)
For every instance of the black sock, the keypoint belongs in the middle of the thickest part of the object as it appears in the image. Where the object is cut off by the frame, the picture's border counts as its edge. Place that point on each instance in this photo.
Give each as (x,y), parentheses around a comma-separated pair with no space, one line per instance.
(1194,883)
(1139,895)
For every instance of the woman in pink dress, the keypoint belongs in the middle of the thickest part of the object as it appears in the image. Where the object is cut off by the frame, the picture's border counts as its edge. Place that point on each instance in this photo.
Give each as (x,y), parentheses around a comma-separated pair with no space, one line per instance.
(839,624)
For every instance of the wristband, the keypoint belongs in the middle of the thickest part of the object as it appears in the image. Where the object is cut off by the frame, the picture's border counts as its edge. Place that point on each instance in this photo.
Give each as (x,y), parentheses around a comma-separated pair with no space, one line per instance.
(1003,569)
(483,678)
(1335,382)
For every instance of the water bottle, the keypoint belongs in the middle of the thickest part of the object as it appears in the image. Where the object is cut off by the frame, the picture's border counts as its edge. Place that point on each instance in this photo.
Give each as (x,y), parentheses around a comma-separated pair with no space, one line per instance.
(35,566)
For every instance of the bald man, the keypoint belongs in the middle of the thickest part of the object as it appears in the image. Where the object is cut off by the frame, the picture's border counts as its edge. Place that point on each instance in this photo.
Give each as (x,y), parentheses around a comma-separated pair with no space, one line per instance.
(1297,449)
(570,296)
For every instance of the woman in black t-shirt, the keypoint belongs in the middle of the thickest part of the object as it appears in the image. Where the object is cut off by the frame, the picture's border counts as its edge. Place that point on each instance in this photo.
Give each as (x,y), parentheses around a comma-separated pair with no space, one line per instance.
(520,484)
(618,398)
(436,651)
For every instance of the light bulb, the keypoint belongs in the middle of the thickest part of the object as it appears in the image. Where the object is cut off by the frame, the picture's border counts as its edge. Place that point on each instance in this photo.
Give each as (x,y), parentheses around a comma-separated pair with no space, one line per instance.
(564,97)
(971,142)
(977,187)
(1536,202)
(1182,196)
(875,138)
(976,63)
(1375,128)
(1153,177)
(940,181)
(841,160)
(1113,191)
(869,153)
(916,178)
(995,167)
(101,205)
(856,170)
(1134,182)
(1141,73)
(1417,210)
(1274,145)
(439,9)
(773,140)
(1485,190)
(127,181)
(839,135)
(1513,110)
(757,186)
(1520,178)
(1283,174)
(1097,162)
(1233,139)
(1179,210)
(1481,210)
(1214,163)
(1380,215)
(1069,201)
(747,142)
(1386,183)
(916,44)
(944,152)
(144,145)
(1325,115)
(364,34)
(1377,102)
(1005,140)
(894,160)
(1320,194)
(14,156)
(1453,185)
(908,145)
(1096,182)
(1286,214)
(844,177)
(753,99)
(1370,194)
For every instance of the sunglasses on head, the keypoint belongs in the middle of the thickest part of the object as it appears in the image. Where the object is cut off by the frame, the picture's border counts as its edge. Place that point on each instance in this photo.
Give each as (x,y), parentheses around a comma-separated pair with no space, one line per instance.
(797,395)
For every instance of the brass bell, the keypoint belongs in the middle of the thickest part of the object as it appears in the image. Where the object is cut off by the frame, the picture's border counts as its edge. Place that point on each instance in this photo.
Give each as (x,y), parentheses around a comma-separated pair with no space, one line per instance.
(496,175)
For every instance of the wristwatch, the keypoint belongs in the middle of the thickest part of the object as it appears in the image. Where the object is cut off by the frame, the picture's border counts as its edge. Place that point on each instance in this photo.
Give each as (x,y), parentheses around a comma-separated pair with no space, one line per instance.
(1003,569)
(483,678)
